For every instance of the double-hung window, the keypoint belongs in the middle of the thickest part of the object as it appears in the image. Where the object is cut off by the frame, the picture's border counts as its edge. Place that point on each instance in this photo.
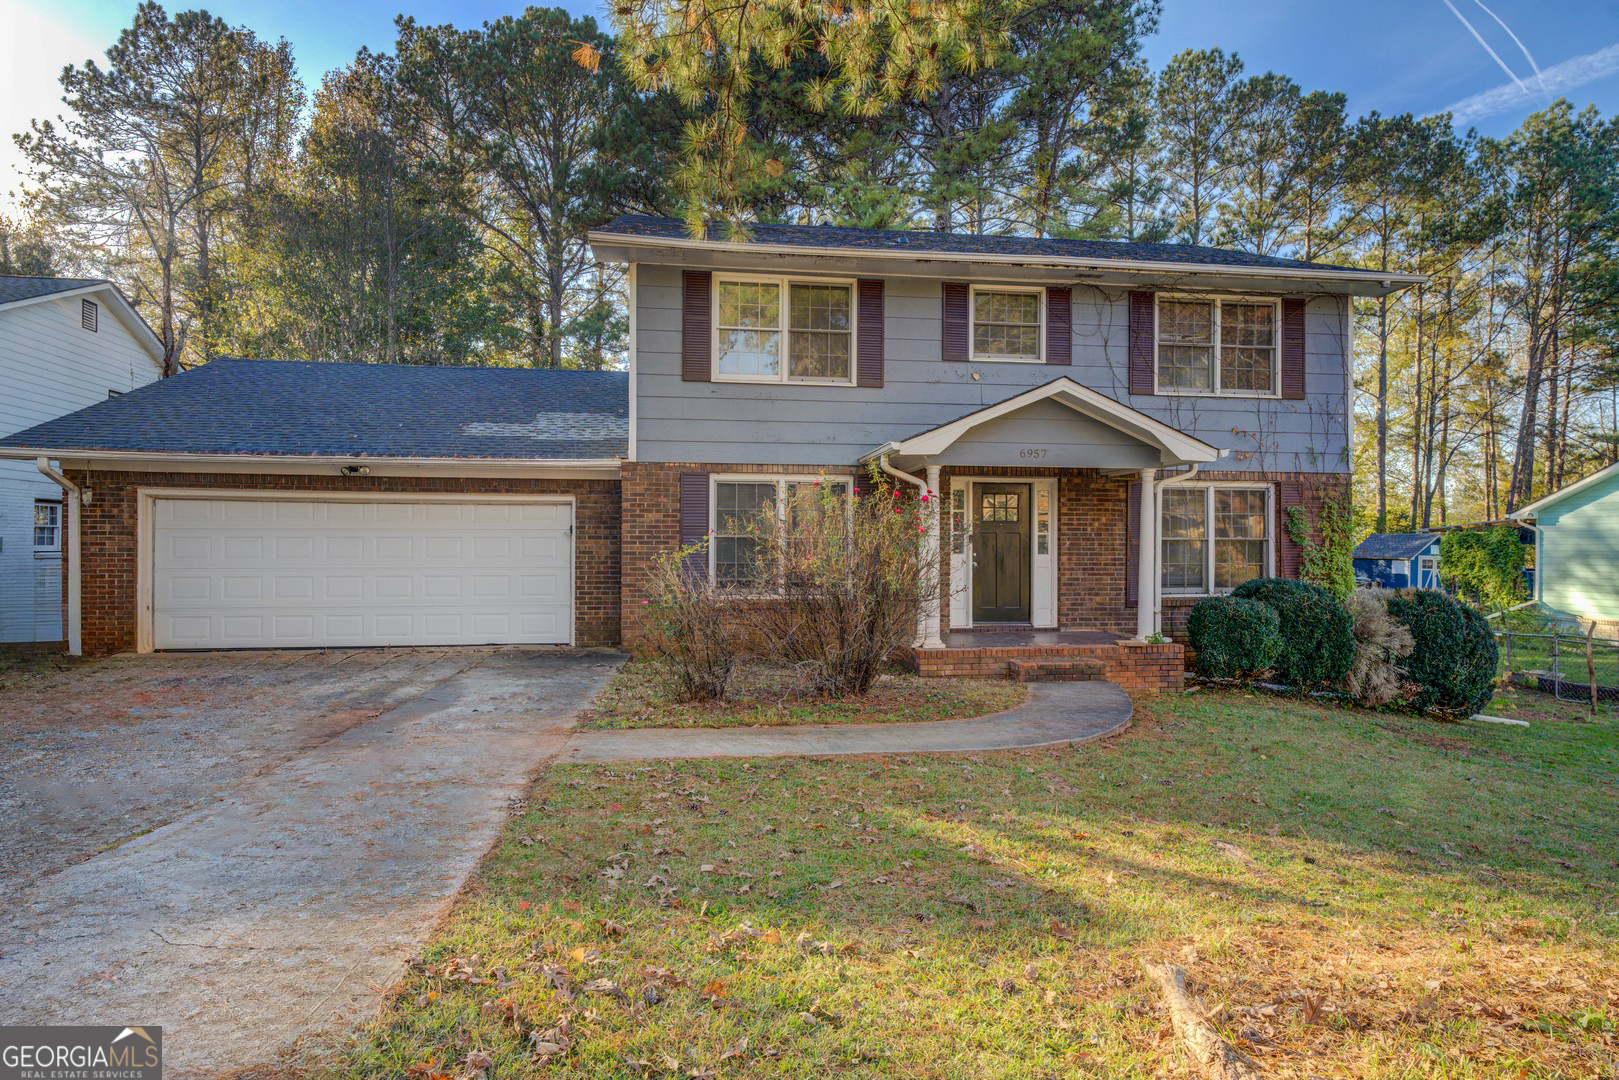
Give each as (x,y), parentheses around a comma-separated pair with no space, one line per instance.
(1217,346)
(47,525)
(1007,324)
(781,330)
(742,508)
(1214,538)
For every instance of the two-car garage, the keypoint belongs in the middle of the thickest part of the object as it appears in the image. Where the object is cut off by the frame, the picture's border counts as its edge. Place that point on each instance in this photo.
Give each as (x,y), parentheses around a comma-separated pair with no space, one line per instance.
(247,570)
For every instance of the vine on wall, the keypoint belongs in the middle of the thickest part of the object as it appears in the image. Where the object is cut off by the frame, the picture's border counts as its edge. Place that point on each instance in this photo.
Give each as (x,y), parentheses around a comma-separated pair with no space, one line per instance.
(1329,561)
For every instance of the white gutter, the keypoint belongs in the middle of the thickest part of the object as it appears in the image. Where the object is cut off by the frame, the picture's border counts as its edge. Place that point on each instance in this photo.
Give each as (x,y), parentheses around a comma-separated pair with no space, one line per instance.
(926,617)
(1157,552)
(75,644)
(183,459)
(1145,266)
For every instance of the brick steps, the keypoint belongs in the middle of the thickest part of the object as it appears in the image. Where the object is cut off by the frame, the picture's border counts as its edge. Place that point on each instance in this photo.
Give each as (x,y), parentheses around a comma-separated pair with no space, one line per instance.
(1079,669)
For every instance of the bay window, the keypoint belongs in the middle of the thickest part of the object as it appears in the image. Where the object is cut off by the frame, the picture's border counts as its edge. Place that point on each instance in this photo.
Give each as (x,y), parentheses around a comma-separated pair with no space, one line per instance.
(1213,537)
(777,330)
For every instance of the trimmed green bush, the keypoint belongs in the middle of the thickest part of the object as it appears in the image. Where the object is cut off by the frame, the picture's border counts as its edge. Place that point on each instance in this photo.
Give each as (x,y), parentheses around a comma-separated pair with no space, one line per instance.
(1318,639)
(1453,658)
(1233,637)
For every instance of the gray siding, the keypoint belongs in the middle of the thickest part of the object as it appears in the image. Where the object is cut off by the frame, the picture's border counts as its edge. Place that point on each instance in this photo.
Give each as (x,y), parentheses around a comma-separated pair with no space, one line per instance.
(815,425)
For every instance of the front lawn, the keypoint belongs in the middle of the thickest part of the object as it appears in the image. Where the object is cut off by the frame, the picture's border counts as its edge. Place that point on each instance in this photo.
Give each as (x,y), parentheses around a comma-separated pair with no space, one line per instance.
(768,696)
(1352,894)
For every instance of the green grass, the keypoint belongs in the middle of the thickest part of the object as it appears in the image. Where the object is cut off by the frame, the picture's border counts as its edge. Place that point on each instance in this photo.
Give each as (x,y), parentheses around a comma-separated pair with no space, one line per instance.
(768,696)
(1352,894)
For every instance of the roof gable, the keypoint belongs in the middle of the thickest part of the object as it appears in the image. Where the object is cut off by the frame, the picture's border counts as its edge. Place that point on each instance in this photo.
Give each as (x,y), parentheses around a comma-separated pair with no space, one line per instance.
(18,292)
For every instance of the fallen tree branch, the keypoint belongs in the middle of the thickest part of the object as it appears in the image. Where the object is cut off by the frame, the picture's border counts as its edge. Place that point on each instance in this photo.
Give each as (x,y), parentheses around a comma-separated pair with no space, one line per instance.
(1211,1055)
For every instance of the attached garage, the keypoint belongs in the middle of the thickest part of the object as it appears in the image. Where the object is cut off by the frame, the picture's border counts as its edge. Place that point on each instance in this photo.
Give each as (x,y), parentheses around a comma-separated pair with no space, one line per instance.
(299,572)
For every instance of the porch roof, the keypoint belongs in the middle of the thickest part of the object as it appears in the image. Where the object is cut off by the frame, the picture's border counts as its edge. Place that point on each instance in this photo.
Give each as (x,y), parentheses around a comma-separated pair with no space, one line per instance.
(1172,446)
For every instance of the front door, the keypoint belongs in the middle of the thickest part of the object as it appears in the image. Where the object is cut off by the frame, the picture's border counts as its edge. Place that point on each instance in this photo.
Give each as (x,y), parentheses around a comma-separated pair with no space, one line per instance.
(1001,523)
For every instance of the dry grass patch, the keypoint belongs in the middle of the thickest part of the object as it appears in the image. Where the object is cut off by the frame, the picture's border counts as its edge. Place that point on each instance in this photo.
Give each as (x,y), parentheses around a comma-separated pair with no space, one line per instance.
(1348,898)
(771,696)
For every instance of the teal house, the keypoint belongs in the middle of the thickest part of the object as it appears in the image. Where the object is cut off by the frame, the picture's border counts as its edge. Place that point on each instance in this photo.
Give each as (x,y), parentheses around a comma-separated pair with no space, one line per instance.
(1577,551)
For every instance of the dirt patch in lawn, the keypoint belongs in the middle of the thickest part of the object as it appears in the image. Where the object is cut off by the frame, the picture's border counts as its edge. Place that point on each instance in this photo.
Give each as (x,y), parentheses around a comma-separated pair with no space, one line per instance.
(764,696)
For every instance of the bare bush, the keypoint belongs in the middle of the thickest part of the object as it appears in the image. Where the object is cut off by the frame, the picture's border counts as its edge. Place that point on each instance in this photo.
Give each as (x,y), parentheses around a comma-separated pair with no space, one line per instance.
(690,634)
(1380,642)
(838,583)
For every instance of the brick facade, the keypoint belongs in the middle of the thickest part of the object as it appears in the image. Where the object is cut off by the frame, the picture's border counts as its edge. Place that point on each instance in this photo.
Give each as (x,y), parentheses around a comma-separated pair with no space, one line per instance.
(109,539)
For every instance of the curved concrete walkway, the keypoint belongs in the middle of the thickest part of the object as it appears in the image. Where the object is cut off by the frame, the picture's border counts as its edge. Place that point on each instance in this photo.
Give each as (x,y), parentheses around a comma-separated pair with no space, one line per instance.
(1055,713)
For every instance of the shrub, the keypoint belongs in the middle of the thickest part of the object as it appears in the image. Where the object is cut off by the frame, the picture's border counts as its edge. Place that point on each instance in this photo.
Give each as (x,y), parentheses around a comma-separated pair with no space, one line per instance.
(1454,655)
(1233,637)
(1318,641)
(1381,641)
(690,636)
(1485,565)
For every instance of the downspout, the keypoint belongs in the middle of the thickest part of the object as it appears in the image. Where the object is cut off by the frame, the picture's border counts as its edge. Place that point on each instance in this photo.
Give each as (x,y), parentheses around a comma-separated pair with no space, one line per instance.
(75,645)
(927,619)
(1157,555)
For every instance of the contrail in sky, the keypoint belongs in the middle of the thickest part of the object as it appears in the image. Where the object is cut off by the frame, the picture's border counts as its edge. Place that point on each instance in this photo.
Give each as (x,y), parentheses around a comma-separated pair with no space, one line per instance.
(1480,39)
(1515,40)
(1563,78)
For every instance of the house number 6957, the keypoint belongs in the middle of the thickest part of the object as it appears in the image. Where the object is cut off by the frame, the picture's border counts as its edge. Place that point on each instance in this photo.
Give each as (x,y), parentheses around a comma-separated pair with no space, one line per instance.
(1032,452)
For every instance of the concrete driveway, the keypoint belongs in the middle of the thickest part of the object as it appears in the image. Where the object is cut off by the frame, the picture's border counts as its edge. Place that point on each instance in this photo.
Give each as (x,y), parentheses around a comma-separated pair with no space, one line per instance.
(244,847)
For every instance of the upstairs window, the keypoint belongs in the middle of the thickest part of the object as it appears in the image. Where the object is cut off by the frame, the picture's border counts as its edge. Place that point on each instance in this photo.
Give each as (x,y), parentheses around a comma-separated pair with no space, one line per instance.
(1214,538)
(47,525)
(1212,346)
(89,315)
(1007,324)
(775,330)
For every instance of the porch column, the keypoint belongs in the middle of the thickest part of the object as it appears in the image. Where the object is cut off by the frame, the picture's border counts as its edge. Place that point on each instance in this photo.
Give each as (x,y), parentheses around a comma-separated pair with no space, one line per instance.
(1146,556)
(931,553)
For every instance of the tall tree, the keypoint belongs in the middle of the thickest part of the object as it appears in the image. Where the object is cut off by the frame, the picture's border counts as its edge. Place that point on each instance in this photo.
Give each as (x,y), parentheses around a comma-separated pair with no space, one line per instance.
(1201,116)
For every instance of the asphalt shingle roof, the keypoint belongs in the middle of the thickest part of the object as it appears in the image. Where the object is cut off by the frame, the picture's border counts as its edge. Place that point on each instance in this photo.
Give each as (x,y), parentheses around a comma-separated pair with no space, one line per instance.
(851,239)
(1394,545)
(234,406)
(27,288)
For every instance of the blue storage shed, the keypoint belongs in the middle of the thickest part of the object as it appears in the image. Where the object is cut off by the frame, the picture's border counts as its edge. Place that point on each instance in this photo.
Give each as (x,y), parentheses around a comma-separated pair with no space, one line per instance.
(1398,560)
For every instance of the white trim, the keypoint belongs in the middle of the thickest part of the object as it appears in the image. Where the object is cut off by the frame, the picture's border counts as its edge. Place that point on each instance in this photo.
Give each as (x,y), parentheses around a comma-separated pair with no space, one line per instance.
(1217,348)
(1043,578)
(1387,281)
(319,464)
(972,324)
(784,282)
(1562,493)
(1268,569)
(779,479)
(123,310)
(630,365)
(54,549)
(145,524)
(1177,447)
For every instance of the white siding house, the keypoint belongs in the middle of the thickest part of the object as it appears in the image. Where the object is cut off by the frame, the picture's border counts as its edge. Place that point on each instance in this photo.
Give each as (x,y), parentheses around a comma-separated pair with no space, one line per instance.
(64,344)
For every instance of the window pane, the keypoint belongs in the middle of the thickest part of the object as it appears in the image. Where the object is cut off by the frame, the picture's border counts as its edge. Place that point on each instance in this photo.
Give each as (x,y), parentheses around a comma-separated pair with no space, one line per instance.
(1183,565)
(1239,514)
(1184,532)
(1186,321)
(1246,369)
(1183,514)
(749,304)
(750,352)
(1018,307)
(819,307)
(816,355)
(1237,561)
(1185,367)
(1006,324)
(736,561)
(738,506)
(1247,324)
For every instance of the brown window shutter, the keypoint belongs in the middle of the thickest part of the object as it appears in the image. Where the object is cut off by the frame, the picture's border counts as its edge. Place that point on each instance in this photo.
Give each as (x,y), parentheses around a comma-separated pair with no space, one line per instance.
(694,522)
(1143,341)
(1293,350)
(863,483)
(1290,557)
(1132,542)
(953,340)
(1059,325)
(696,329)
(869,362)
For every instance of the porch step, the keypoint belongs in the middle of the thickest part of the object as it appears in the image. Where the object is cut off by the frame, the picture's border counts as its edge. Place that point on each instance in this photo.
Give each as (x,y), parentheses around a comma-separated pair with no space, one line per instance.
(1075,669)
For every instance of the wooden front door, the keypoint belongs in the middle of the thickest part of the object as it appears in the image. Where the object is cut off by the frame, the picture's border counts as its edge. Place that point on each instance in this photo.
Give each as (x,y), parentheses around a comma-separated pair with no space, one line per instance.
(1001,528)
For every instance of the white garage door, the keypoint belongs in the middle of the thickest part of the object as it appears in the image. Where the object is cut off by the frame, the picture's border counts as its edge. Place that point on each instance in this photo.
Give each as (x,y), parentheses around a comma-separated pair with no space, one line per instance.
(287,573)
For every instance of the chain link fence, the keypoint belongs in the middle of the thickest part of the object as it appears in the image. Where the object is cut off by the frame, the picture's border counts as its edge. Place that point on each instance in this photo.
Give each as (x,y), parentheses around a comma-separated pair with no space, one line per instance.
(1567,665)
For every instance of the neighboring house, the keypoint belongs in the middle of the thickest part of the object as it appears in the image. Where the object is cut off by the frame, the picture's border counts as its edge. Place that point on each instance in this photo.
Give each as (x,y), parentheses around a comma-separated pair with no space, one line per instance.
(64,343)
(1577,551)
(1398,560)
(1113,430)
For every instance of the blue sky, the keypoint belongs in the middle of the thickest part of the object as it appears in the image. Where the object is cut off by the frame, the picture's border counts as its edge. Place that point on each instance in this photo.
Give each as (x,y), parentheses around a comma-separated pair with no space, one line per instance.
(1388,55)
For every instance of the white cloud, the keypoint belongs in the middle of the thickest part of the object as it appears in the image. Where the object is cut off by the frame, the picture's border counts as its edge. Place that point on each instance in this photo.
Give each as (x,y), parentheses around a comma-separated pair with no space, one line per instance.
(1554,82)
(34,48)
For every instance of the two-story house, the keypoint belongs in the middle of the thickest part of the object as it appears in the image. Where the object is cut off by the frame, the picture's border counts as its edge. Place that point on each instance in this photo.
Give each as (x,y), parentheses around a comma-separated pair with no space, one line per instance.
(64,343)
(1112,430)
